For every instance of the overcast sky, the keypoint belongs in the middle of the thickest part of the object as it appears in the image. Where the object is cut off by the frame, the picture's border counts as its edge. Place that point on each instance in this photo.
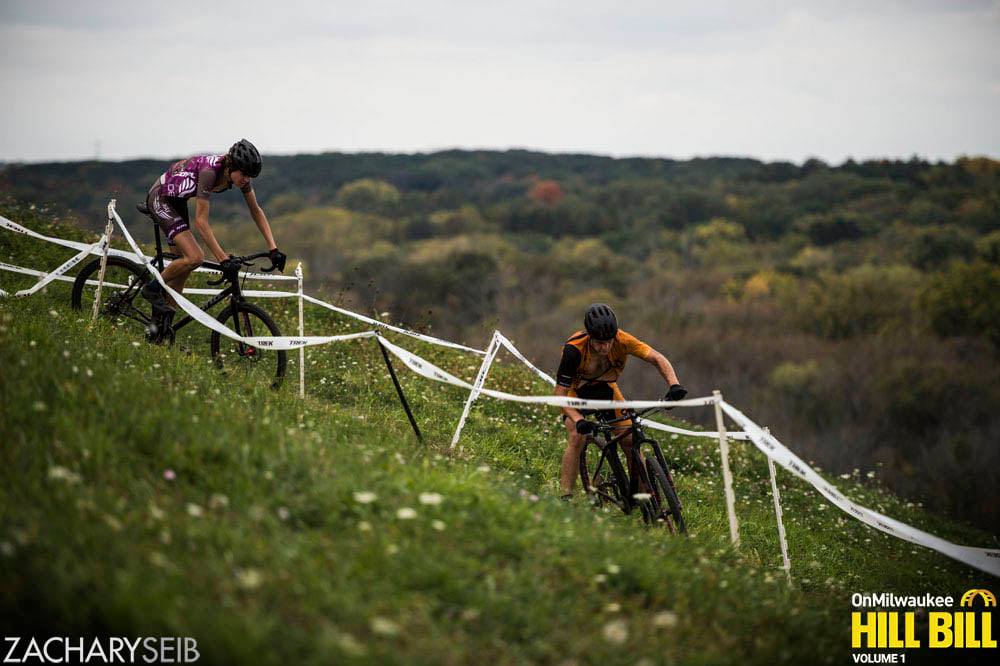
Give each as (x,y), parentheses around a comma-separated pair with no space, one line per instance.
(772,80)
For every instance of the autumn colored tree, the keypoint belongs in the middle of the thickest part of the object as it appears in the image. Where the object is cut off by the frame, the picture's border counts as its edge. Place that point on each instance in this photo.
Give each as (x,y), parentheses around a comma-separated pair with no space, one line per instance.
(547,192)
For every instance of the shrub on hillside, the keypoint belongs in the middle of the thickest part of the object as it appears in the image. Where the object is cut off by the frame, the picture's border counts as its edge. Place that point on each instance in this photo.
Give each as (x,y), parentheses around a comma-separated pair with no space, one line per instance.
(965,300)
(933,247)
(865,300)
(827,229)
(369,196)
(988,247)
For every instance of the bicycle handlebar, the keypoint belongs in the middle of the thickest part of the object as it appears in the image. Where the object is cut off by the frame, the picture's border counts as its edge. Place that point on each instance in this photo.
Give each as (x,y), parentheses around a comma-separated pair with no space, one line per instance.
(247,260)
(627,414)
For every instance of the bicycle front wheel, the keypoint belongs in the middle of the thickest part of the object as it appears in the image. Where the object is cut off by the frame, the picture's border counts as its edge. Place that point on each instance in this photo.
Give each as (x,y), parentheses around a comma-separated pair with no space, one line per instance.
(670,504)
(603,476)
(248,320)
(121,303)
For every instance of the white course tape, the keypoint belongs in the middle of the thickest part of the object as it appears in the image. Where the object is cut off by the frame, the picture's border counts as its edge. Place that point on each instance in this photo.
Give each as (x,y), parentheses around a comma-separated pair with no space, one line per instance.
(246,292)
(429,370)
(375,322)
(141,258)
(313,340)
(985,559)
(62,278)
(655,425)
(136,256)
(199,315)
(93,283)
(60,271)
(523,359)
(74,245)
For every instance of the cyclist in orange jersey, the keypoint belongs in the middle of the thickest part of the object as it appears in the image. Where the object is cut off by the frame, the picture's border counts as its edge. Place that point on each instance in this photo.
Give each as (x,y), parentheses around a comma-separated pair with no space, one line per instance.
(592,361)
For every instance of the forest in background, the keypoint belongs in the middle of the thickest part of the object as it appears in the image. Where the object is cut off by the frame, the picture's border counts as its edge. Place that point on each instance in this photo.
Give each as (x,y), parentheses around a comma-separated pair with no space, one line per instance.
(854,308)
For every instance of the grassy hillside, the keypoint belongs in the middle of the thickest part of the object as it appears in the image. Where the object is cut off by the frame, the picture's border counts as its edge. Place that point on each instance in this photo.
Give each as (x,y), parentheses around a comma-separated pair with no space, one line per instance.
(843,305)
(146,493)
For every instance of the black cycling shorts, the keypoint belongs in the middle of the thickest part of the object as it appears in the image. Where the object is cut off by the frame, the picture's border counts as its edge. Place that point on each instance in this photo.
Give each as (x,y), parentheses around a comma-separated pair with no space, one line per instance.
(171,213)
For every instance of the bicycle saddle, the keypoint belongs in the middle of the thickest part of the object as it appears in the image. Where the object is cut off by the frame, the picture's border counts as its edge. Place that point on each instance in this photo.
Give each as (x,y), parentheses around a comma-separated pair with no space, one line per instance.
(141,207)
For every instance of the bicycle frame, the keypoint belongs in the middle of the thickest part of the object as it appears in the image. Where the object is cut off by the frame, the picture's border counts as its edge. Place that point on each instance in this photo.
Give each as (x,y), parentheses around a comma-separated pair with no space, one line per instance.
(633,454)
(233,291)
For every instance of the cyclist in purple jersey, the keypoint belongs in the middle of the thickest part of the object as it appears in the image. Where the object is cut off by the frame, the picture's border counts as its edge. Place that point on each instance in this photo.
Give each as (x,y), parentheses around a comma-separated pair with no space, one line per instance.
(199,177)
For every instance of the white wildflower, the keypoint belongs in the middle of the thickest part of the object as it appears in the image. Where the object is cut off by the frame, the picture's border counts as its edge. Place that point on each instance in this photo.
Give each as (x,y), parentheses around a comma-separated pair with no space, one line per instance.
(615,632)
(430,499)
(384,626)
(249,579)
(58,473)
(665,619)
(218,501)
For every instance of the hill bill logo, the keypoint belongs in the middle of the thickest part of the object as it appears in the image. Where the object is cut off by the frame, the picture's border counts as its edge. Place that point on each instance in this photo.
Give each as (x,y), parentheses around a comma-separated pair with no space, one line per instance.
(881,629)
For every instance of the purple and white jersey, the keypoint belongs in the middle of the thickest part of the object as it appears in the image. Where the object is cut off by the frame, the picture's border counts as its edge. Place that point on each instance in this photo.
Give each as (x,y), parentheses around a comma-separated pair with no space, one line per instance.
(196,176)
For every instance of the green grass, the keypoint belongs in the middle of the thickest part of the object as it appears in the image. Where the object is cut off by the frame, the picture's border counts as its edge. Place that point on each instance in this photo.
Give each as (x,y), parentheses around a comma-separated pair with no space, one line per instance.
(259,548)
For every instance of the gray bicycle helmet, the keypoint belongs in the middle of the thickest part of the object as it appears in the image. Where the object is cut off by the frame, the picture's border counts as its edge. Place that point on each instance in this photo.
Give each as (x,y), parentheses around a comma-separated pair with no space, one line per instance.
(600,322)
(246,158)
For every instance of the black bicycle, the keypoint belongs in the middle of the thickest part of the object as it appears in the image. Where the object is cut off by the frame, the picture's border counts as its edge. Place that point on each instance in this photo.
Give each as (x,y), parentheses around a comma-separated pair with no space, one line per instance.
(647,484)
(122,304)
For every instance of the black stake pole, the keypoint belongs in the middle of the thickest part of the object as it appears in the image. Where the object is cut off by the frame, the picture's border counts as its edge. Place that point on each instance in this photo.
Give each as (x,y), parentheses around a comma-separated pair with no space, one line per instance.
(399,391)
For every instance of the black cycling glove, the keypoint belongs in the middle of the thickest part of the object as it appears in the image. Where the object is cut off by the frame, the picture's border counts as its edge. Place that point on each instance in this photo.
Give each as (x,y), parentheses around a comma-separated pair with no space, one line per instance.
(278,259)
(231,267)
(676,392)
(584,427)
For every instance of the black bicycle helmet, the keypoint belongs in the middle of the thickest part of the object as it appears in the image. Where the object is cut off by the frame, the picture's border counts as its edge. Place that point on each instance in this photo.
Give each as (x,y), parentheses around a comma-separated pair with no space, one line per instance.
(600,322)
(246,158)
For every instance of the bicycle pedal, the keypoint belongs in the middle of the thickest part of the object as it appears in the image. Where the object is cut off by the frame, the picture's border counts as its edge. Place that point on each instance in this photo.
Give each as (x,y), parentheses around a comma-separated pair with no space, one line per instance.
(159,334)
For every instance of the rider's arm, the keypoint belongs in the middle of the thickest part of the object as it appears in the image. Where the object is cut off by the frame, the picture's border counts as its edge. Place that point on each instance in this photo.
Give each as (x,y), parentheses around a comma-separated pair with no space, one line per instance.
(570,413)
(257,213)
(657,359)
(201,225)
(569,365)
(640,349)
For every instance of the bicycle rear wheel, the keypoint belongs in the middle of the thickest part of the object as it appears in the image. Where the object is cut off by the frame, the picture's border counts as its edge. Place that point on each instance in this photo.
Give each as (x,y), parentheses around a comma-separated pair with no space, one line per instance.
(254,363)
(121,303)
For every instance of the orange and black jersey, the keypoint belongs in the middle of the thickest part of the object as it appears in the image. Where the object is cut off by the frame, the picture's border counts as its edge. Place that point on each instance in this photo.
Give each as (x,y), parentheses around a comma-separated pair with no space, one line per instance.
(581,365)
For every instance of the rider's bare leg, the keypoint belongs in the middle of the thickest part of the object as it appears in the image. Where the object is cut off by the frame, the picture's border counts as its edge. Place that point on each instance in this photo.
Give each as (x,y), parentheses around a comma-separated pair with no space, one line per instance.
(571,458)
(192,256)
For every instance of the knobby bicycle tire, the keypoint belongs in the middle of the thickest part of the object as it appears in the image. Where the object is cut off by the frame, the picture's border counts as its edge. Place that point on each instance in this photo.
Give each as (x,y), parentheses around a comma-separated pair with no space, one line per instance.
(247,357)
(120,299)
(665,489)
(650,506)
(614,490)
